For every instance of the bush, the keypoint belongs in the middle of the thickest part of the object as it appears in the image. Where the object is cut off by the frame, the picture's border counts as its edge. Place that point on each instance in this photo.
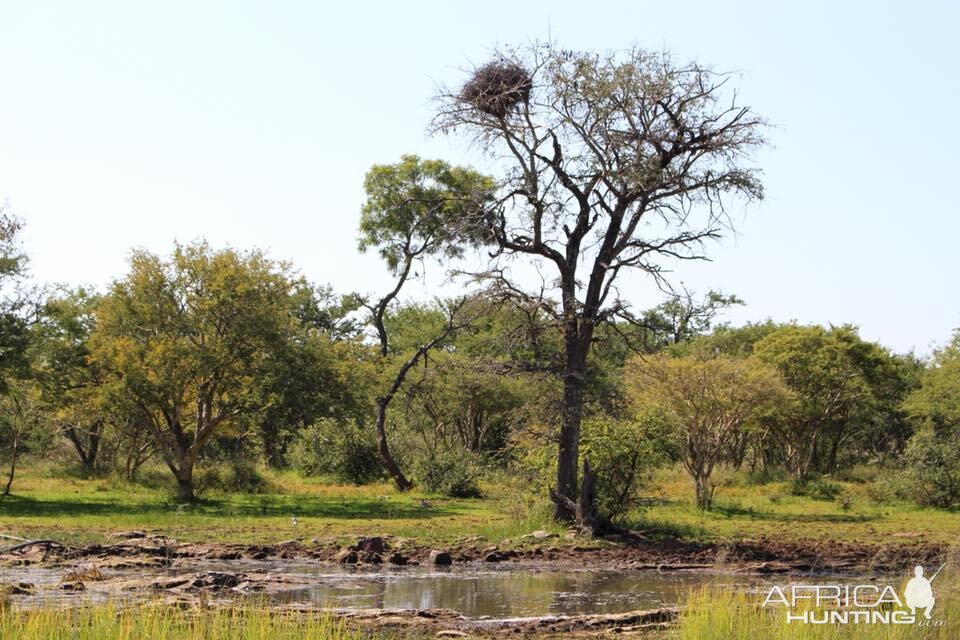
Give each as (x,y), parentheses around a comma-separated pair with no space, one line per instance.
(344,450)
(816,488)
(238,476)
(624,454)
(451,473)
(932,469)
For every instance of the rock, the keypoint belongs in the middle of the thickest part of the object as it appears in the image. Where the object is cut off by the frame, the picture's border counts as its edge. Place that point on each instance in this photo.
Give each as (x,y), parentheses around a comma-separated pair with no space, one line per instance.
(494,556)
(397,558)
(346,556)
(18,589)
(439,558)
(215,580)
(371,558)
(72,586)
(128,535)
(165,583)
(540,535)
(371,545)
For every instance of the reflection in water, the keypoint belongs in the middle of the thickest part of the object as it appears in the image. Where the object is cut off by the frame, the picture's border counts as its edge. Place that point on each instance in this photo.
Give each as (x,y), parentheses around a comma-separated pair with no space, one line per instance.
(477,591)
(506,593)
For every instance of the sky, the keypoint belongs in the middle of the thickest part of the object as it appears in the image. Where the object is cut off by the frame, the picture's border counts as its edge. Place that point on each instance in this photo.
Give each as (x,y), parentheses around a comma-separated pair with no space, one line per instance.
(251,124)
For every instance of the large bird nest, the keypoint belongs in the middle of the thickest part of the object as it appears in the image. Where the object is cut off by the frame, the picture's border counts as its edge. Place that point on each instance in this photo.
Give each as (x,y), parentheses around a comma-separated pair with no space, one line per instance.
(498,87)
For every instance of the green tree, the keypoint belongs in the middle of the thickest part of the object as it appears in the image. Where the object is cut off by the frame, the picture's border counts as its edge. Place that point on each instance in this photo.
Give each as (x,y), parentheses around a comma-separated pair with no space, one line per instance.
(22,425)
(74,387)
(417,209)
(848,394)
(613,162)
(935,405)
(711,401)
(189,338)
(932,457)
(15,303)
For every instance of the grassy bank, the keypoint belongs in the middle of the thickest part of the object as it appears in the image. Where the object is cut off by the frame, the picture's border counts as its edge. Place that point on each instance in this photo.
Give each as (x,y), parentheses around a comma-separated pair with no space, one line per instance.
(729,615)
(106,622)
(49,504)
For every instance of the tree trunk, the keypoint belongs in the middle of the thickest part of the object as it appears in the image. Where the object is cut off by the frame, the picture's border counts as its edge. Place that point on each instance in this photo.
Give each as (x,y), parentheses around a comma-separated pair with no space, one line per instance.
(568,451)
(185,482)
(701,484)
(13,464)
(588,519)
(383,448)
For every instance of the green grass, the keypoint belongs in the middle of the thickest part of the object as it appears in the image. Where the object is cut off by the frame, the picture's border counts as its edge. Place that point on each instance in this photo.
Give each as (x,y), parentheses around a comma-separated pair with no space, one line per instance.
(79,510)
(731,615)
(748,511)
(165,622)
(46,503)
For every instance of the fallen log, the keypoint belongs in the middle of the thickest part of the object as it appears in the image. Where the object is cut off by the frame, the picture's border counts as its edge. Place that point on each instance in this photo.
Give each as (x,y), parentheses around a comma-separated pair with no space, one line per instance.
(31,543)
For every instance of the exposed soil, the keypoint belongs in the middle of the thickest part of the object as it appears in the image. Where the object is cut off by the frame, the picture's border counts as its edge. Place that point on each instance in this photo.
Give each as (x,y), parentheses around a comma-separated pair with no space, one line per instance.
(763,555)
(100,567)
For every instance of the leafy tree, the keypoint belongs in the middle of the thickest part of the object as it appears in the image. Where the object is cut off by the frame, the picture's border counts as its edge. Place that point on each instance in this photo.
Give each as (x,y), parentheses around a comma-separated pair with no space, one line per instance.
(22,425)
(319,372)
(416,209)
(189,338)
(936,403)
(14,302)
(710,401)
(626,451)
(932,457)
(612,162)
(74,388)
(848,392)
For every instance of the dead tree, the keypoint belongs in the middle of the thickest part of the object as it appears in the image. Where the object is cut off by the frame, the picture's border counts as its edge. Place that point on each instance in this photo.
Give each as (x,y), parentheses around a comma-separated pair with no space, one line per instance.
(613,162)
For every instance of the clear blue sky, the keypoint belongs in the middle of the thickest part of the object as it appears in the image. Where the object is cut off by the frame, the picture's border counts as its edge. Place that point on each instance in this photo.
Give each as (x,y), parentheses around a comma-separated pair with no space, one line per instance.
(129,124)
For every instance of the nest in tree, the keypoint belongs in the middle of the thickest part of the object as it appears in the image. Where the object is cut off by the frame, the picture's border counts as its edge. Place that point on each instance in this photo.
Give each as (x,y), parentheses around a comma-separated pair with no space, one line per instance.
(498,87)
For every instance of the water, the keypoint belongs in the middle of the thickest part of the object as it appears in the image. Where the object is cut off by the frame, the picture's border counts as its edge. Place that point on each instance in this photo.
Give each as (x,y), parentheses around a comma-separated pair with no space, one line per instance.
(506,592)
(481,592)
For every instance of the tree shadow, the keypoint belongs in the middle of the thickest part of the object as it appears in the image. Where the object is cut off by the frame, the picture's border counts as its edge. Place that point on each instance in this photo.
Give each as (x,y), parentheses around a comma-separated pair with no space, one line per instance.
(332,507)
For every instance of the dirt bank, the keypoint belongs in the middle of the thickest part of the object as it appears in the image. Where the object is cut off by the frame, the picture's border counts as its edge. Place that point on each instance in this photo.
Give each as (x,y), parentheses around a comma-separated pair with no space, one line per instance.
(143,549)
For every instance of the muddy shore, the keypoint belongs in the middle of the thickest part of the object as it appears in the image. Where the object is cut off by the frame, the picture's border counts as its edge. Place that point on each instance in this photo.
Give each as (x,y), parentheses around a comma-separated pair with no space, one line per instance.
(139,564)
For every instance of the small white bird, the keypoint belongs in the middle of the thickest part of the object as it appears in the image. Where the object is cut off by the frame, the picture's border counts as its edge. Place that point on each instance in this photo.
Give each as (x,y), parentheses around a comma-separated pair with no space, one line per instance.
(293,521)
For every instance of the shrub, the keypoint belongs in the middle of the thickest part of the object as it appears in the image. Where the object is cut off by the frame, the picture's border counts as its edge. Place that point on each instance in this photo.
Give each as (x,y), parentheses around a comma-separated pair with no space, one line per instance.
(624,454)
(816,488)
(344,450)
(450,473)
(932,469)
(237,476)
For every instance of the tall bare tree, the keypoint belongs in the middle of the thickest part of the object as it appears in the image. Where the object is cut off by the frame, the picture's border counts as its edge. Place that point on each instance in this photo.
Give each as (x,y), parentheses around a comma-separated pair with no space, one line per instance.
(612,162)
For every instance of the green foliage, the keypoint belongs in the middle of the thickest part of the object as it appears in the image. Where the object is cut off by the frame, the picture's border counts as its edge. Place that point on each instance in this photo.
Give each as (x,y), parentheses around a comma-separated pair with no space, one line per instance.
(343,450)
(453,473)
(936,404)
(422,207)
(848,394)
(713,402)
(237,476)
(817,488)
(22,425)
(624,454)
(14,303)
(932,469)
(190,338)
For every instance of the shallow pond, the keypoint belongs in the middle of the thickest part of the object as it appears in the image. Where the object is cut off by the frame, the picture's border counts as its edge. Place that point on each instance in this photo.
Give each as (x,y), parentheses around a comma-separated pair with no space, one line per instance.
(477,591)
(507,592)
